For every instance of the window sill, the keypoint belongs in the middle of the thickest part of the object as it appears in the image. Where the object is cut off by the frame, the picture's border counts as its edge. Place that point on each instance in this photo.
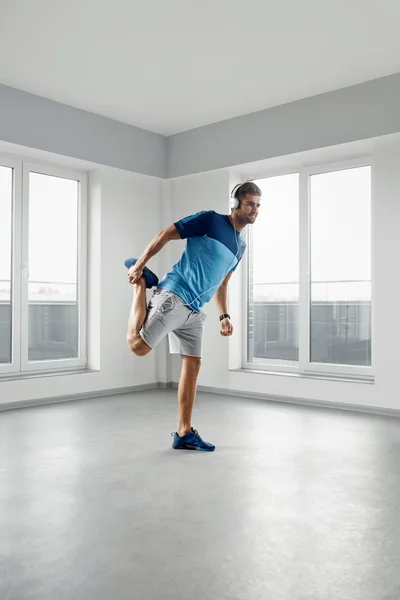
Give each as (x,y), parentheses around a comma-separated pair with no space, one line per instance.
(42,374)
(319,376)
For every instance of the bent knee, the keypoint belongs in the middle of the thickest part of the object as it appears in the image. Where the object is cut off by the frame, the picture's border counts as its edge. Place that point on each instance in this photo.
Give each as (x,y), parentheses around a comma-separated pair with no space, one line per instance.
(137,345)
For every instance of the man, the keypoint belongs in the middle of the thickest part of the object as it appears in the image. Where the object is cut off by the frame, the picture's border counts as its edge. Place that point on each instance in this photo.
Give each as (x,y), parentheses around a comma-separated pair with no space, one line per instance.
(213,250)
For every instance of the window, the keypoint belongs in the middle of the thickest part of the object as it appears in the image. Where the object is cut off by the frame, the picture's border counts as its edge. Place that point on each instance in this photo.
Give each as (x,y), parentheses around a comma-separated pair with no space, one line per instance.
(340,277)
(274,273)
(42,268)
(309,273)
(6,197)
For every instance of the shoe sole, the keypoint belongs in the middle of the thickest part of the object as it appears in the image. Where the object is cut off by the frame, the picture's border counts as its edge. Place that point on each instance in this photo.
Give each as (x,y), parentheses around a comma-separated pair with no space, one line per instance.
(190,447)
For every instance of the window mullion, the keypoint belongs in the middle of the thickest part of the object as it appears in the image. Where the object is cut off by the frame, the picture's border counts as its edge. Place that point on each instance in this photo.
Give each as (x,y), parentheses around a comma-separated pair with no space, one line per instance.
(304,271)
(24,267)
(16,267)
(82,269)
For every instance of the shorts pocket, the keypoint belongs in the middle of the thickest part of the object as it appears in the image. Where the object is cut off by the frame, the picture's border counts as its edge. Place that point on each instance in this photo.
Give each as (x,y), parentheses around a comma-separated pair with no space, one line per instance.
(166,304)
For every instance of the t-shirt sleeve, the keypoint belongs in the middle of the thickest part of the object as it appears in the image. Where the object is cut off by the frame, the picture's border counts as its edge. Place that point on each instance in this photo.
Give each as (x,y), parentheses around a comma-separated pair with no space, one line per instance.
(195,225)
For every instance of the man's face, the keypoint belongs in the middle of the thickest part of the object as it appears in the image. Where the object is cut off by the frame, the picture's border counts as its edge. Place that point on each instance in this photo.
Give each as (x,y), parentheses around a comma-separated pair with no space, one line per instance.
(248,210)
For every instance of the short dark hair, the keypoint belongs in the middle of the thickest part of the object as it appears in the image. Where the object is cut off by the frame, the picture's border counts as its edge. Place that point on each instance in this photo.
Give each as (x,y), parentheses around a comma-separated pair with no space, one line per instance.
(249,187)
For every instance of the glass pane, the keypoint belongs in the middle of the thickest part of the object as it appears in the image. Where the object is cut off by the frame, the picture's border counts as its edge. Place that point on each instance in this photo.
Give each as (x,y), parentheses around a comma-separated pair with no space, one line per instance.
(53,254)
(341,267)
(6,183)
(274,272)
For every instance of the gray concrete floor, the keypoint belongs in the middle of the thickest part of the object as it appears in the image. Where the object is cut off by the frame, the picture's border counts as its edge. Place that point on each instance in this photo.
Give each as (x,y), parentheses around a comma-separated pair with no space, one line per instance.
(296,503)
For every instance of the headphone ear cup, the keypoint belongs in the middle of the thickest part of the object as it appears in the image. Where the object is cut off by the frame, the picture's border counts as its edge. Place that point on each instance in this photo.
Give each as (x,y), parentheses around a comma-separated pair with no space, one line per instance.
(234,201)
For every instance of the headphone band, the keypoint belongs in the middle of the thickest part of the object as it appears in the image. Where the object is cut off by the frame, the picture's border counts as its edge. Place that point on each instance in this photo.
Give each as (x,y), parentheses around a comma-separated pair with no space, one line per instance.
(235,203)
(235,189)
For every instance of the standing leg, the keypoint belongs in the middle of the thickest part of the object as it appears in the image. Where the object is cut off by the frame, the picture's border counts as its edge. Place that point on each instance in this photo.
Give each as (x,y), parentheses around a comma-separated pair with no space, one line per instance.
(137,317)
(187,438)
(187,392)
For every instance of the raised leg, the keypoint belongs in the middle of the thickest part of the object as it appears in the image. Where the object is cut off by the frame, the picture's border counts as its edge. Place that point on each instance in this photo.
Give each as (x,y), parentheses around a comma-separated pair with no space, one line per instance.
(137,317)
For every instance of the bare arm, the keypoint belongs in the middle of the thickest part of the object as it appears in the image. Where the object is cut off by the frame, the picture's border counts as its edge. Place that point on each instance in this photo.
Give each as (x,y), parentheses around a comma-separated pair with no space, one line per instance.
(156,244)
(221,300)
(221,296)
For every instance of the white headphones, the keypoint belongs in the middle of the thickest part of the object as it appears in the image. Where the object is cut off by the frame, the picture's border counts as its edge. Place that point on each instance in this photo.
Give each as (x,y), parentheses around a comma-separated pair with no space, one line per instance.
(234,203)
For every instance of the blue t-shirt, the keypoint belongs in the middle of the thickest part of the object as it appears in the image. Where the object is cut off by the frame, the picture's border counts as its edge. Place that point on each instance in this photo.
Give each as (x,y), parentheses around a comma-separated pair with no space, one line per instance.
(213,248)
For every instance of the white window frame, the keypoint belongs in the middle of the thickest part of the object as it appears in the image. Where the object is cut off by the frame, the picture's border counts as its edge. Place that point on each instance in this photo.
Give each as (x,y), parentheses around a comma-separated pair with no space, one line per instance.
(20,270)
(304,365)
(16,221)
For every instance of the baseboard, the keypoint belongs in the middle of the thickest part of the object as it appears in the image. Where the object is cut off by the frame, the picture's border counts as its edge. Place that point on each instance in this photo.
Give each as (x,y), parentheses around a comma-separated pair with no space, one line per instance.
(386,412)
(166,384)
(374,410)
(84,396)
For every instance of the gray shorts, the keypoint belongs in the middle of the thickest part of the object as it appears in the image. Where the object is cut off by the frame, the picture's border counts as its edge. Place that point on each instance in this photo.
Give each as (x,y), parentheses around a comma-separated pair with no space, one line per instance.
(168,314)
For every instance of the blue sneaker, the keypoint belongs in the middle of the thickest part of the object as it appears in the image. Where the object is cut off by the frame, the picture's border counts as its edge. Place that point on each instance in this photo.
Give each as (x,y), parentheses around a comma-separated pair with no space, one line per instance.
(151,279)
(191,441)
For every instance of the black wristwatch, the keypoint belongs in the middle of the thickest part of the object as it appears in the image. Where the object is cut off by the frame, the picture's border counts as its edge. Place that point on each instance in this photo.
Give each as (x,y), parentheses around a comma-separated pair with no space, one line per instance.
(225,316)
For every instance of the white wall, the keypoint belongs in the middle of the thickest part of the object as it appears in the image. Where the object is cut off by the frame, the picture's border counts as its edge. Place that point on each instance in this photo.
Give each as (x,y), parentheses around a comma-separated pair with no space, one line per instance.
(210,190)
(127,210)
(42,124)
(358,112)
(124,216)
